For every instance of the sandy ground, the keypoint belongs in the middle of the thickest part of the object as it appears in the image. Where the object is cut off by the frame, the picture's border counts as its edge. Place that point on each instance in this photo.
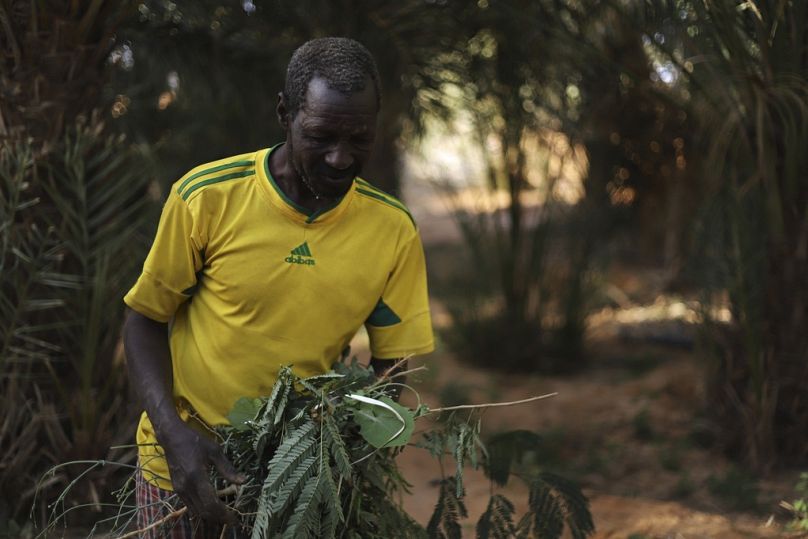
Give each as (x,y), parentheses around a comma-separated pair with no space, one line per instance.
(635,486)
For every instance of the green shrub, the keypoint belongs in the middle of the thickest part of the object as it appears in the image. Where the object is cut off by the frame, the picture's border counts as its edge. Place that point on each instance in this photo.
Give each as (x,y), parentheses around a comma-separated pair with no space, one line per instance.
(799,507)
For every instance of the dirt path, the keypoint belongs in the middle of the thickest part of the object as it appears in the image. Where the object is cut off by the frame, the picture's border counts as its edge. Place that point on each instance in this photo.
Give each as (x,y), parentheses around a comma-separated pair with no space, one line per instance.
(626,430)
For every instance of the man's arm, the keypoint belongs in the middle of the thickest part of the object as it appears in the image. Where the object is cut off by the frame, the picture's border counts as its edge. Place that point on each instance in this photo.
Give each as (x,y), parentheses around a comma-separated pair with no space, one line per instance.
(187,452)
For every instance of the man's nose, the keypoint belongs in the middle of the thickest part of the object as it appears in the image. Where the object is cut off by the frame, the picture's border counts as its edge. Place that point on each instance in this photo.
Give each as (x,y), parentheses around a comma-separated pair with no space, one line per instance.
(339,157)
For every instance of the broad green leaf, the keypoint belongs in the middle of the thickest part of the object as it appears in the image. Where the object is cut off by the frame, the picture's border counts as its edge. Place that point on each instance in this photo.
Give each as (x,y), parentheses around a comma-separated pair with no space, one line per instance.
(244,411)
(379,425)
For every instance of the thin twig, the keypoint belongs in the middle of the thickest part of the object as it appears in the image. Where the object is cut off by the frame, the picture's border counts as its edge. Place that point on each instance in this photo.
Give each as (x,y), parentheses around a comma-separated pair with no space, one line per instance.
(405,373)
(491,404)
(232,489)
(389,372)
(169,517)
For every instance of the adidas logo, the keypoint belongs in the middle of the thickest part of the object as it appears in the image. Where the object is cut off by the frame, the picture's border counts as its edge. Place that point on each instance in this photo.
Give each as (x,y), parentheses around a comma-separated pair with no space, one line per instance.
(300,255)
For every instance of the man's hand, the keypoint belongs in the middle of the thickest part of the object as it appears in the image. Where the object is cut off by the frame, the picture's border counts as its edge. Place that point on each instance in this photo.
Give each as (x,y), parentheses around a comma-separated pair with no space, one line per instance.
(189,455)
(382,366)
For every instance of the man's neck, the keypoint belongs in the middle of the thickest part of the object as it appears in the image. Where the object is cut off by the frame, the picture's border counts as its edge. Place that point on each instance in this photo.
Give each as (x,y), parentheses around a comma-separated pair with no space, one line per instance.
(289,181)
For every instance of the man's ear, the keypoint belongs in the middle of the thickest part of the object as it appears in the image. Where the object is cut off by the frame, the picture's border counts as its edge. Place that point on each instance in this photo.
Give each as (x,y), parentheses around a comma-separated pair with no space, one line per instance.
(282,111)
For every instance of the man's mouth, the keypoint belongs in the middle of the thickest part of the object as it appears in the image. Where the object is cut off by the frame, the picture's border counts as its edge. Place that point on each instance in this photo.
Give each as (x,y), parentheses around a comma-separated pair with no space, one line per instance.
(340,177)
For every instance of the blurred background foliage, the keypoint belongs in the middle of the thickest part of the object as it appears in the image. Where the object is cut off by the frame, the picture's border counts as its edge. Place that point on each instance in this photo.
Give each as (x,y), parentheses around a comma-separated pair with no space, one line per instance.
(671,133)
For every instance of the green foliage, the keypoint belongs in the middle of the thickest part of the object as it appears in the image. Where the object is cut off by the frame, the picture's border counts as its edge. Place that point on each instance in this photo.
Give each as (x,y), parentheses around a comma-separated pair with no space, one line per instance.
(320,459)
(554,501)
(497,521)
(70,248)
(525,286)
(749,92)
(445,520)
(227,65)
(799,507)
(316,474)
(99,204)
(381,426)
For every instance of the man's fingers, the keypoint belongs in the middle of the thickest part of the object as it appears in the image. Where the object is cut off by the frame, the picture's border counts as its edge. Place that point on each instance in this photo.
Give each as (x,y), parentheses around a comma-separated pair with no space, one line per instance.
(226,468)
(213,509)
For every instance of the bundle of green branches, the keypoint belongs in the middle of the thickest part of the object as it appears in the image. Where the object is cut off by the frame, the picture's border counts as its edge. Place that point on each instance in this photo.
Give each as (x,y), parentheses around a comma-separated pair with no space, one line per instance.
(319,457)
(320,454)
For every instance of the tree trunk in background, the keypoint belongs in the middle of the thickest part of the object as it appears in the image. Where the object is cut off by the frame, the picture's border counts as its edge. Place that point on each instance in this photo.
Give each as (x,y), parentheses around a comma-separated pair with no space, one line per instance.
(384,168)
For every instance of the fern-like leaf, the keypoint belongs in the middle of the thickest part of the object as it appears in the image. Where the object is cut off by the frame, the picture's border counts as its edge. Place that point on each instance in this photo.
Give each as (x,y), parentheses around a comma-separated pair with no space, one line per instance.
(276,403)
(393,521)
(459,455)
(497,521)
(293,486)
(297,446)
(546,511)
(331,506)
(261,522)
(444,523)
(272,410)
(337,447)
(554,501)
(574,504)
(305,518)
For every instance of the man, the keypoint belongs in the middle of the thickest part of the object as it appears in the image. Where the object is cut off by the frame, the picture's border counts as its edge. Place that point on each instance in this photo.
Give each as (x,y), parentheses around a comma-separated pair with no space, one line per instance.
(266,259)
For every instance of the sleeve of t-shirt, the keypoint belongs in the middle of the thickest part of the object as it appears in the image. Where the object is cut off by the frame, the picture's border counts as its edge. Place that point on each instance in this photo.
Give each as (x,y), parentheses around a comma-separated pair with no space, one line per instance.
(170,270)
(400,324)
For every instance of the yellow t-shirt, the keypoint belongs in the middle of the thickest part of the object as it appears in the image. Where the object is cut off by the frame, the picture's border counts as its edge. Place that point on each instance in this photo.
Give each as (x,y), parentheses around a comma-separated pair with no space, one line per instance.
(250,281)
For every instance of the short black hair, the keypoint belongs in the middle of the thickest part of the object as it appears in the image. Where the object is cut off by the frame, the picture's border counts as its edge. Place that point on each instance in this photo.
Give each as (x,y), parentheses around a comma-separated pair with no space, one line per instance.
(344,63)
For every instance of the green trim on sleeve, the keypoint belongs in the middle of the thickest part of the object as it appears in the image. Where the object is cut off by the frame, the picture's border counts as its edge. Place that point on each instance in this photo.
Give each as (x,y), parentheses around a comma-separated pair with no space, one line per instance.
(377,196)
(388,197)
(207,171)
(383,316)
(217,179)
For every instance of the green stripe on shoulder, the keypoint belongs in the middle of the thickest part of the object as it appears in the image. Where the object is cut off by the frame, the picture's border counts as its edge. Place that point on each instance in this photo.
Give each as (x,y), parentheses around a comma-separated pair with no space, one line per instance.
(376,195)
(217,179)
(385,194)
(393,200)
(213,170)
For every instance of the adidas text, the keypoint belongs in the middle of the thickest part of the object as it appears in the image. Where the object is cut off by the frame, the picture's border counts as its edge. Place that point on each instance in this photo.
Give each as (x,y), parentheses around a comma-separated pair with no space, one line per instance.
(297,259)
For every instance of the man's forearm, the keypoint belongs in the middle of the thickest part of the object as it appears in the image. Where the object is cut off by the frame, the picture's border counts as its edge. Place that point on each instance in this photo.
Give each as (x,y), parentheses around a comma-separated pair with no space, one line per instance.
(149,365)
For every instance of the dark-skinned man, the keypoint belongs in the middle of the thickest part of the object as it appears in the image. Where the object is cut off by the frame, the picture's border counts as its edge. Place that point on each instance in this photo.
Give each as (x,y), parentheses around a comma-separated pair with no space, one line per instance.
(265,259)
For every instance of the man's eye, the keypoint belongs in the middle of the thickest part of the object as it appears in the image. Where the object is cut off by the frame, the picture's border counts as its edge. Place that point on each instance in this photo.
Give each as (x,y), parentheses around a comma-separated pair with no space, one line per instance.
(318,138)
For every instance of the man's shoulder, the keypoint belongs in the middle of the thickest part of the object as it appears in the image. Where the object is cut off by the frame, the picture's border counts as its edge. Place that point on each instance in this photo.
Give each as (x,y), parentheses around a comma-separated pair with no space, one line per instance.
(215,172)
(385,204)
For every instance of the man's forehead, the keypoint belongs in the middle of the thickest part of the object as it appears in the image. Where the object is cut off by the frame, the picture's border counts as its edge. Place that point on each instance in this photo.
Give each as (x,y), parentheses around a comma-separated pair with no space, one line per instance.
(320,95)
(351,122)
